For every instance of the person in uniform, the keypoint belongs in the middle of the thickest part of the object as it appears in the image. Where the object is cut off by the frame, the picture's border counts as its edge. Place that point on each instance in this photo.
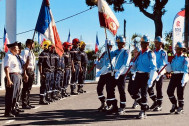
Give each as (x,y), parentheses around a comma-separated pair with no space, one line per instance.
(68,66)
(103,62)
(179,78)
(45,70)
(122,60)
(59,75)
(161,61)
(84,62)
(13,79)
(28,54)
(145,67)
(132,76)
(76,55)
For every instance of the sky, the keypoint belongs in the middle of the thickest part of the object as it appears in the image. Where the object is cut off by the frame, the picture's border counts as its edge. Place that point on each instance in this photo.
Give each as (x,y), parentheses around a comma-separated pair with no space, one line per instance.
(86,24)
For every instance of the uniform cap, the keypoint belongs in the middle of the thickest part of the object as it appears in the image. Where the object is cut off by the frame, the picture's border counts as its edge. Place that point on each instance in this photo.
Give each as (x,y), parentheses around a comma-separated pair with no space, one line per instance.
(75,41)
(180,45)
(145,39)
(12,44)
(82,43)
(110,42)
(120,39)
(158,39)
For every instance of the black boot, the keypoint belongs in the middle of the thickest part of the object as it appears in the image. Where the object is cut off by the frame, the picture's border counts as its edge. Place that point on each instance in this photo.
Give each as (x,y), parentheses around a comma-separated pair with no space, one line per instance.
(174,107)
(114,108)
(42,100)
(103,104)
(73,92)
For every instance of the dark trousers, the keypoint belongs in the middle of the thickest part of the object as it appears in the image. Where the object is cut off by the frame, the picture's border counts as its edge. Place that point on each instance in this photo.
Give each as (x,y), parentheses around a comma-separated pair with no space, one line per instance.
(74,78)
(82,75)
(101,84)
(59,79)
(159,95)
(174,83)
(140,88)
(66,78)
(12,93)
(130,85)
(27,88)
(46,83)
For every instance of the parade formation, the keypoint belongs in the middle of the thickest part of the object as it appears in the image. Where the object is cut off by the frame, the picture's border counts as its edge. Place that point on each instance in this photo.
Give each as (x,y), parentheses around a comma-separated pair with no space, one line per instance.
(64,64)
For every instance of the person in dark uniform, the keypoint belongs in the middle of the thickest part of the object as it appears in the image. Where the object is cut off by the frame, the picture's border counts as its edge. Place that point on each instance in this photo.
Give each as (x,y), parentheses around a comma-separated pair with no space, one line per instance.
(59,75)
(28,54)
(84,62)
(44,69)
(101,64)
(68,66)
(52,86)
(179,78)
(145,67)
(13,69)
(76,56)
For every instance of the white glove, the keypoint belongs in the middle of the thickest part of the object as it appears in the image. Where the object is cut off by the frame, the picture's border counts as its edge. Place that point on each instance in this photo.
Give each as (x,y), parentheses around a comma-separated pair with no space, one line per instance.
(98,74)
(158,77)
(117,74)
(134,75)
(185,79)
(150,82)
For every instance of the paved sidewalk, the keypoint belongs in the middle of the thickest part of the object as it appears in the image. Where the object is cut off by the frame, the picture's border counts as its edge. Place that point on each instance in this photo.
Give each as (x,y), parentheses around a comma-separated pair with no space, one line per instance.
(81,110)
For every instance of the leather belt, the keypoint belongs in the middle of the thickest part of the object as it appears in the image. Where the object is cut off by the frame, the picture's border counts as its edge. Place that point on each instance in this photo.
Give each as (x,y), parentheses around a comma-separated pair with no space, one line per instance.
(16,73)
(30,69)
(177,72)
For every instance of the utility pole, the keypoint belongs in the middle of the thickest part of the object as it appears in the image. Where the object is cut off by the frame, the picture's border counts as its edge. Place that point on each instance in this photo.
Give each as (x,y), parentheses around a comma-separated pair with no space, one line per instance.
(124,28)
(186,29)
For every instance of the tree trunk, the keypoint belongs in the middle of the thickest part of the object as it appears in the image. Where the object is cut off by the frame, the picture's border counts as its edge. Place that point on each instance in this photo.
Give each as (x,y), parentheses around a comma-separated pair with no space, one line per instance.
(158,25)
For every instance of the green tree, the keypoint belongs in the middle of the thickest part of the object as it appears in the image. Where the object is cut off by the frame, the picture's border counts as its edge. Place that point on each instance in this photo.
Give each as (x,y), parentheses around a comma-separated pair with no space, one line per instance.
(156,15)
(168,39)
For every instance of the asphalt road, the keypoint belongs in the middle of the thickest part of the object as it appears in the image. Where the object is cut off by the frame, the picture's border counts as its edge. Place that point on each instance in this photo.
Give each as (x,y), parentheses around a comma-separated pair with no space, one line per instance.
(81,110)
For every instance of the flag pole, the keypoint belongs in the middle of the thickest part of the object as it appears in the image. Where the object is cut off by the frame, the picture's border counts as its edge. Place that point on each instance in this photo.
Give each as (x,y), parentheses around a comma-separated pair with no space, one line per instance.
(109,54)
(33,35)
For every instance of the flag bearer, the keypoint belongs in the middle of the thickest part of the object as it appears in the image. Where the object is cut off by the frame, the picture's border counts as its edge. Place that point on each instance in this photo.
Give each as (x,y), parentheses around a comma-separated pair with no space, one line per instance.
(145,67)
(122,60)
(104,75)
(68,67)
(28,54)
(161,61)
(44,69)
(84,62)
(13,79)
(76,56)
(179,78)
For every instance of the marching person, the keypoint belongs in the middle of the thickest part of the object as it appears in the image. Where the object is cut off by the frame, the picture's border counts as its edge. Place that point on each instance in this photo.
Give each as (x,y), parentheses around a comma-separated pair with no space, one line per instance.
(84,62)
(13,69)
(45,73)
(145,66)
(104,75)
(68,66)
(76,56)
(161,61)
(122,60)
(179,78)
(28,54)
(132,76)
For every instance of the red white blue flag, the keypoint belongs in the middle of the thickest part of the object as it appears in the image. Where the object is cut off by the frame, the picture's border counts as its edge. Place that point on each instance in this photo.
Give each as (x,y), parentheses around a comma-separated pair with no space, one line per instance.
(107,18)
(96,45)
(5,40)
(69,38)
(46,26)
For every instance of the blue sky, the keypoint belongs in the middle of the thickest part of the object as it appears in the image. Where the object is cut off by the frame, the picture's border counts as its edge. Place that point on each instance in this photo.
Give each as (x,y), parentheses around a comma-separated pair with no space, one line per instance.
(86,24)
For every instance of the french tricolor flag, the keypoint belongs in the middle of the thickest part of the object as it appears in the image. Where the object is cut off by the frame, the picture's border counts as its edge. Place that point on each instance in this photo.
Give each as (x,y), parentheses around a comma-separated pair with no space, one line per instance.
(5,40)
(96,45)
(46,26)
(107,18)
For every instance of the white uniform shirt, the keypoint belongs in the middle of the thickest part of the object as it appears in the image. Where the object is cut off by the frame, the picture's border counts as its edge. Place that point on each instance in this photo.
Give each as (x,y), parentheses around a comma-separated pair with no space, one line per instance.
(27,53)
(13,63)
